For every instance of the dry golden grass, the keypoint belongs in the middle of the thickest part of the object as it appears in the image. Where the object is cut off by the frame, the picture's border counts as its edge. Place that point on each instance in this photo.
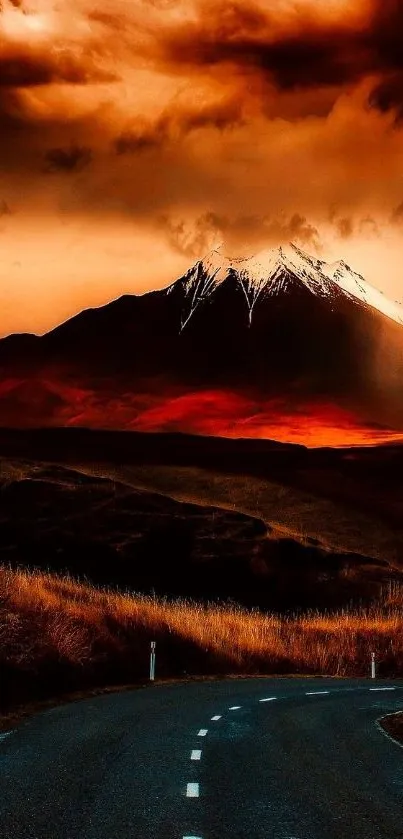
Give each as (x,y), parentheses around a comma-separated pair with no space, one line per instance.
(58,635)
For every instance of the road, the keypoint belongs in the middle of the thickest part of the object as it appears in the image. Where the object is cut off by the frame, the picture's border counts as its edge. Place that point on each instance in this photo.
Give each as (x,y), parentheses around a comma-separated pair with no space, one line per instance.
(209,760)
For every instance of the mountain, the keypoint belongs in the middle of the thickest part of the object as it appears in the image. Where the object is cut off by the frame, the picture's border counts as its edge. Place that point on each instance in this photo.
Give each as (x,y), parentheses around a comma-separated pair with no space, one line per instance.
(235,341)
(278,272)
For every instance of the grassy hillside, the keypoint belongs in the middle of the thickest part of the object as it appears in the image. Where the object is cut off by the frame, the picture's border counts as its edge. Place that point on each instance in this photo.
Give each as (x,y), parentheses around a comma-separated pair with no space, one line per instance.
(60,520)
(344,499)
(59,636)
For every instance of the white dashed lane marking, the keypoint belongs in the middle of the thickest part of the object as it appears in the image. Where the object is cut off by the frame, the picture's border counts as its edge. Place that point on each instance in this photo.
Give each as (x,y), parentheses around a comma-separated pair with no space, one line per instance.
(382,688)
(193,790)
(316,692)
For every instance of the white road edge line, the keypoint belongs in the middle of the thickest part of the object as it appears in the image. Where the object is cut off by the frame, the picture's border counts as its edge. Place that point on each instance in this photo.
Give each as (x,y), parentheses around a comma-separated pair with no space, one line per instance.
(382,688)
(269,699)
(217,717)
(195,754)
(235,707)
(386,733)
(316,692)
(202,732)
(192,791)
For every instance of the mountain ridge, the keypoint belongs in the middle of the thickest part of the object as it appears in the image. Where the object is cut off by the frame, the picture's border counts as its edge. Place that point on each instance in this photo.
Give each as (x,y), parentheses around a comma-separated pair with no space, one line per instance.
(269,273)
(223,345)
(255,274)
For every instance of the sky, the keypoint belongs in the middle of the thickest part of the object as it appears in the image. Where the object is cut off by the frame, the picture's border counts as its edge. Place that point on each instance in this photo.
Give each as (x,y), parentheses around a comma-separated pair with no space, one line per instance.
(136,136)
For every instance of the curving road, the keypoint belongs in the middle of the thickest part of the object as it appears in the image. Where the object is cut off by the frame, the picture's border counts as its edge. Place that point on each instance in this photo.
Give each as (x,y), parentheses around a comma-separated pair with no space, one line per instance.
(209,760)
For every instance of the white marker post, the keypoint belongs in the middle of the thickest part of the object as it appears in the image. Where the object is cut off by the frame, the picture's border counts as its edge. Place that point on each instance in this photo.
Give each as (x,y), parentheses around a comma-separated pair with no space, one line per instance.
(373,674)
(152,662)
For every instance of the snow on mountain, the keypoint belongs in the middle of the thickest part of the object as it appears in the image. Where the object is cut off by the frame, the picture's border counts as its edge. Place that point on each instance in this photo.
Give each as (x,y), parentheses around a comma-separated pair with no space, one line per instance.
(201,281)
(274,272)
(355,284)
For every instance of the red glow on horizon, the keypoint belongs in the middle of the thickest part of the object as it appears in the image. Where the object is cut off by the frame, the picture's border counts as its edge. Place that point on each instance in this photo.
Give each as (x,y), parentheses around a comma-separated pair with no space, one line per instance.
(50,402)
(226,414)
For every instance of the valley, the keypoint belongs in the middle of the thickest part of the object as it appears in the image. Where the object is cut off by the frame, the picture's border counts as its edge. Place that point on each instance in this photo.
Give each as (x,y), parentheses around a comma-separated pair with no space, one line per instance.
(264,524)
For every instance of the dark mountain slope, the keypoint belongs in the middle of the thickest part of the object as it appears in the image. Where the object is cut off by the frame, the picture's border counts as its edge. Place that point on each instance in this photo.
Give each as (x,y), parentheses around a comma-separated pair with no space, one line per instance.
(284,330)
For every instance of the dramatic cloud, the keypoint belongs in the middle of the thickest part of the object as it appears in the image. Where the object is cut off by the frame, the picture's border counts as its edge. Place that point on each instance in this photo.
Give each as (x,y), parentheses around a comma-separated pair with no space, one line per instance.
(397,215)
(238,232)
(295,45)
(4,209)
(22,66)
(174,125)
(68,160)
(181,123)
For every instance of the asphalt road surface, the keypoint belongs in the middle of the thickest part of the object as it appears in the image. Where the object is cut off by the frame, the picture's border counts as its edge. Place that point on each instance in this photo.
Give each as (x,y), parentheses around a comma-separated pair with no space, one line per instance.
(233,759)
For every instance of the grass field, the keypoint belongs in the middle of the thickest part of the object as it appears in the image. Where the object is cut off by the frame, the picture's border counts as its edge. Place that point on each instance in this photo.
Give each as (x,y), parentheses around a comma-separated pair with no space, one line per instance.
(59,636)
(345,499)
(287,510)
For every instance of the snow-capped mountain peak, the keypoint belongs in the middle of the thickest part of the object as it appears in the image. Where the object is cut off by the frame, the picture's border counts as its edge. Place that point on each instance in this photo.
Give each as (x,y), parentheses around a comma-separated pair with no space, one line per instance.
(354,284)
(274,272)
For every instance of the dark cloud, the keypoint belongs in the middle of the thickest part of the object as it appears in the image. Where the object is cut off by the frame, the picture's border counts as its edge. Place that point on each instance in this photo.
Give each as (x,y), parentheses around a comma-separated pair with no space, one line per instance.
(72,159)
(385,33)
(388,95)
(142,138)
(194,121)
(397,214)
(174,125)
(249,39)
(5,209)
(348,226)
(22,65)
(345,227)
(191,239)
(309,49)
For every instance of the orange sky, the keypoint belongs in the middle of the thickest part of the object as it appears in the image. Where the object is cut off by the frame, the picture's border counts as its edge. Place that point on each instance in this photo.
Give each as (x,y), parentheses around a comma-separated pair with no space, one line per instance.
(134,137)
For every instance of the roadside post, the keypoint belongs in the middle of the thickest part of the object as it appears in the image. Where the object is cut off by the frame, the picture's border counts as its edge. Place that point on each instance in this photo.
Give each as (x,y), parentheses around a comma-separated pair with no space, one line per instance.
(152,661)
(373,674)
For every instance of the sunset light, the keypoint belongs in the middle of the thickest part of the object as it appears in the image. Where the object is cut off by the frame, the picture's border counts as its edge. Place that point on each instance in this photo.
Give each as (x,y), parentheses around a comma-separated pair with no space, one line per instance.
(195,125)
(201,419)
(133,141)
(16,24)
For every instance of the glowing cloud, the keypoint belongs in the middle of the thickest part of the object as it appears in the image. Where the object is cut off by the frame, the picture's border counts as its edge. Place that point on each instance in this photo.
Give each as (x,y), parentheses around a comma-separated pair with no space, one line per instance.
(213,117)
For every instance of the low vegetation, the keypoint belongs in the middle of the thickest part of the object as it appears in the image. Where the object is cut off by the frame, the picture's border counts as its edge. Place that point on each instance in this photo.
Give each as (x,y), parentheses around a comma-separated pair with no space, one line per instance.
(59,636)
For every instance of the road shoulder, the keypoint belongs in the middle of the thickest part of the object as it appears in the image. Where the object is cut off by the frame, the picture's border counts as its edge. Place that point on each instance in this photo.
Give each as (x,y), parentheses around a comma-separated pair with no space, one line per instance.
(392,724)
